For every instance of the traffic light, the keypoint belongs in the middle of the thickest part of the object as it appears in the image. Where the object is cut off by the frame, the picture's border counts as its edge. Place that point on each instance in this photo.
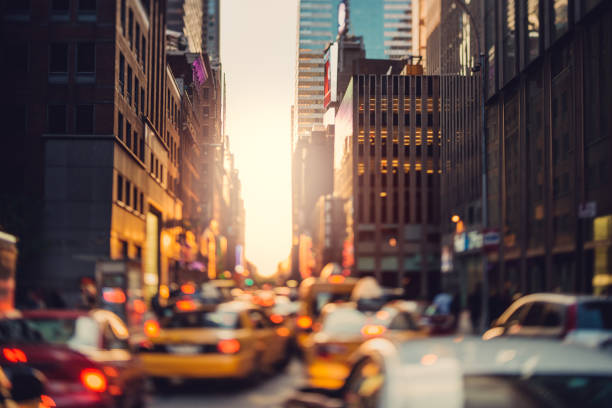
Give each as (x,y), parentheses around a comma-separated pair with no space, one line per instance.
(248,282)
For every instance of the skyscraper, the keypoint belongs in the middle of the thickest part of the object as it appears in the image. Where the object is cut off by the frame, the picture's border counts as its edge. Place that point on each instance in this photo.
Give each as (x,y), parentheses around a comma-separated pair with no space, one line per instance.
(385,26)
(210,32)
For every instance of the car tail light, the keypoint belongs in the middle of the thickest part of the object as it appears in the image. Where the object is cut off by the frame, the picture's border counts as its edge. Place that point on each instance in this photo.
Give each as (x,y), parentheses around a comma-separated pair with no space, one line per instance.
(188,289)
(304,322)
(283,332)
(113,295)
(275,318)
(47,402)
(14,355)
(372,330)
(185,305)
(93,380)
(151,328)
(228,346)
(139,306)
(571,318)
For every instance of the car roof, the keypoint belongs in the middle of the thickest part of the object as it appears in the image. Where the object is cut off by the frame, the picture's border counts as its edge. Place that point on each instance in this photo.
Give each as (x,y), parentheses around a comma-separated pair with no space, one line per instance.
(508,356)
(561,298)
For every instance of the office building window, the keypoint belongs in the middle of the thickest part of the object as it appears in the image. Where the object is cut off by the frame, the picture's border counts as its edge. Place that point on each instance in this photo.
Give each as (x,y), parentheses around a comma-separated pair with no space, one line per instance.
(143,50)
(121,72)
(533,29)
(58,58)
(87,9)
(128,134)
(60,7)
(86,58)
(142,100)
(84,123)
(136,196)
(119,187)
(559,18)
(56,119)
(137,40)
(141,202)
(136,88)
(128,193)
(141,148)
(509,27)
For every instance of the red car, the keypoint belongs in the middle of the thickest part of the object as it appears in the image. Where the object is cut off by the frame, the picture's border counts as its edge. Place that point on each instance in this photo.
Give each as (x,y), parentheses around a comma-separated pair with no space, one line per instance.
(103,338)
(72,379)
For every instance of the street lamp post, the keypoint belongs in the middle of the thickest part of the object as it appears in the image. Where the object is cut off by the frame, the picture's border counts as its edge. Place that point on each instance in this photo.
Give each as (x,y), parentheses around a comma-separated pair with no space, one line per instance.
(482,67)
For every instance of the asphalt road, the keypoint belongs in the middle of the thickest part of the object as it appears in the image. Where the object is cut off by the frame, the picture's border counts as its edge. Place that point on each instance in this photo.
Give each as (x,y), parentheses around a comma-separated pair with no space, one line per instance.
(269,392)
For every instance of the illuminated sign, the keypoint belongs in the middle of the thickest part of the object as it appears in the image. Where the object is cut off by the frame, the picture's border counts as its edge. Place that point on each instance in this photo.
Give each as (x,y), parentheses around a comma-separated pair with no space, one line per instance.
(467,241)
(330,84)
(199,73)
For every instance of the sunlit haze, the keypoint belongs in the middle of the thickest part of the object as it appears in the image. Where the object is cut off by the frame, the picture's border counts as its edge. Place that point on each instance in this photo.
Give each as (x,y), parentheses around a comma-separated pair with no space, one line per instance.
(258,40)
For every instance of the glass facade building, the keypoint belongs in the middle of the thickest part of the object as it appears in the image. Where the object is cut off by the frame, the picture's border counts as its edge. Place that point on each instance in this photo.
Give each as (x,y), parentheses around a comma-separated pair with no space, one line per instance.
(385,26)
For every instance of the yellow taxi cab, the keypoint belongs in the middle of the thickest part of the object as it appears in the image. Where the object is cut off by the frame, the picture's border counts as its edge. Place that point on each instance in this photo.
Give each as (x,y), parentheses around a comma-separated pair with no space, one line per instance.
(314,295)
(342,329)
(226,340)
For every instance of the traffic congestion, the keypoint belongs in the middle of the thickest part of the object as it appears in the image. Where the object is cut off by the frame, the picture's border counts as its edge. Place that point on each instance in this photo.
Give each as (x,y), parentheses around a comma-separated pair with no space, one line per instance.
(342,342)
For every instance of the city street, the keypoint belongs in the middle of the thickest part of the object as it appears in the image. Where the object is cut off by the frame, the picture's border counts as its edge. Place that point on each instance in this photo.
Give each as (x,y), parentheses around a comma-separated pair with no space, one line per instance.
(269,393)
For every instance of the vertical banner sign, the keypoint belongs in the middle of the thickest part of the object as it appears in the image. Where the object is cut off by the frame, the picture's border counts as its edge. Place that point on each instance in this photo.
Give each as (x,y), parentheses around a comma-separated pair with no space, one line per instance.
(327,83)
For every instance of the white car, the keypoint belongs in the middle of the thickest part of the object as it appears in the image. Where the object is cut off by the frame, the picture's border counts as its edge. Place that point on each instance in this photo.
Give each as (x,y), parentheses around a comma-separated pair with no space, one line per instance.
(585,320)
(470,373)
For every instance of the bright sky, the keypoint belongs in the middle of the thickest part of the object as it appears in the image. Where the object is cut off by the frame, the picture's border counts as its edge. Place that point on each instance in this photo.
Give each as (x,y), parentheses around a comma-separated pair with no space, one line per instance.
(258,48)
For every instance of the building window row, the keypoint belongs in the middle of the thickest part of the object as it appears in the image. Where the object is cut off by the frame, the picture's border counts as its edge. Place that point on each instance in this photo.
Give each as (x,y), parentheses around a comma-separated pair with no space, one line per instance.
(129,194)
(130,86)
(59,53)
(156,169)
(60,10)
(58,123)
(132,139)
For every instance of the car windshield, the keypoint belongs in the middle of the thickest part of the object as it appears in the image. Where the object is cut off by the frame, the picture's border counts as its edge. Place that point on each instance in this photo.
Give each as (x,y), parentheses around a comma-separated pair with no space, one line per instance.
(344,321)
(538,391)
(82,331)
(17,331)
(595,315)
(324,298)
(202,319)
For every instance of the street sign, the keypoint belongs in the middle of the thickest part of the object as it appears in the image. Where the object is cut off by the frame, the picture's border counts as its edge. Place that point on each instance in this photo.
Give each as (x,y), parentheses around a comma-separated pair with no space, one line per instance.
(587,210)
(491,239)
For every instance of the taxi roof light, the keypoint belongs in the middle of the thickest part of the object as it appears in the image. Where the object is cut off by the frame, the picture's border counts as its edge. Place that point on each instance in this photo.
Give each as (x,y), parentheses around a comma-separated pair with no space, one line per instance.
(372,330)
